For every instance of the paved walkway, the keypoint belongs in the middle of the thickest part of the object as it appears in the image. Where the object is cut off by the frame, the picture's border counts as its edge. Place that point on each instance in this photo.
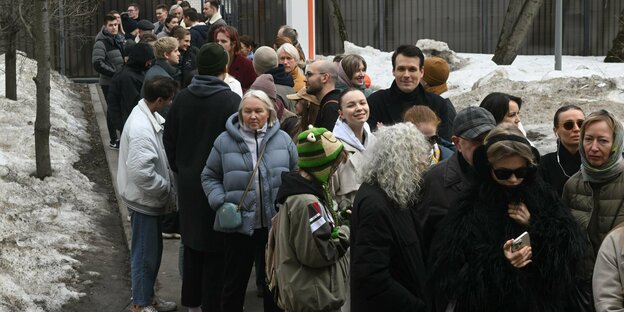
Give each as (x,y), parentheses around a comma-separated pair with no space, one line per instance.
(169,283)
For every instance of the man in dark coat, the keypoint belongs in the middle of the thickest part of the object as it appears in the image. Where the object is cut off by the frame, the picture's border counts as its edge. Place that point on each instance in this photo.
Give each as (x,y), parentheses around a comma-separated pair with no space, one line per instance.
(321,82)
(388,106)
(453,178)
(197,116)
(125,90)
(199,30)
(108,58)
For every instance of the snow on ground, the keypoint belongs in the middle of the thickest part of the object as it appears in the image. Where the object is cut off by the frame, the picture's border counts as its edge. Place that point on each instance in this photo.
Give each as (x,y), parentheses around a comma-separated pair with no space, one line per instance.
(584,81)
(43,224)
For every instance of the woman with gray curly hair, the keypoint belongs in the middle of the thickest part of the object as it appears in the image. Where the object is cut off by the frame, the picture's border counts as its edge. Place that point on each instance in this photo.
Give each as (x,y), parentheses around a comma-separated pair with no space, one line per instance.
(387,265)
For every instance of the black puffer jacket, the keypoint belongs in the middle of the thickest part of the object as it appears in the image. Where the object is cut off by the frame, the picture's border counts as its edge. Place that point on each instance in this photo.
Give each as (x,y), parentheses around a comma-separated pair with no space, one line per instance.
(469,266)
(107,55)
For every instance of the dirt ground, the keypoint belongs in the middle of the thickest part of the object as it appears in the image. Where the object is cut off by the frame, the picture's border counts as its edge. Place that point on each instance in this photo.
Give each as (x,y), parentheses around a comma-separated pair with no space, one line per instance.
(104,274)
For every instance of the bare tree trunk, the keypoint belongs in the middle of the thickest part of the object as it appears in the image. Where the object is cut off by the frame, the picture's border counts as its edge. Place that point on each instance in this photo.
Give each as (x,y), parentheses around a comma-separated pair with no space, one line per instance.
(518,20)
(616,54)
(42,80)
(10,59)
(342,29)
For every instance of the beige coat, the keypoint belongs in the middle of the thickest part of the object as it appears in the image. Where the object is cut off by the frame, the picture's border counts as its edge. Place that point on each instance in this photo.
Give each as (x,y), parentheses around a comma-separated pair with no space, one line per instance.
(608,280)
(345,182)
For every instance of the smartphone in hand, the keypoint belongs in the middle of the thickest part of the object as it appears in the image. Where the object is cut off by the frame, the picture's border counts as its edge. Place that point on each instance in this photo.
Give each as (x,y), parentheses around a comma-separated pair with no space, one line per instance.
(523,240)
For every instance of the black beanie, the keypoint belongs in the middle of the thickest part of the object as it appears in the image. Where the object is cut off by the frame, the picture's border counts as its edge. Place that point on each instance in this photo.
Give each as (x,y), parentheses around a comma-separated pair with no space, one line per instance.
(139,54)
(211,59)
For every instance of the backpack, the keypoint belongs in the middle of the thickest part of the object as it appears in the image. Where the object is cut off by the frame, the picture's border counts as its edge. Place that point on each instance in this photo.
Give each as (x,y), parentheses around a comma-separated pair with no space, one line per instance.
(270,262)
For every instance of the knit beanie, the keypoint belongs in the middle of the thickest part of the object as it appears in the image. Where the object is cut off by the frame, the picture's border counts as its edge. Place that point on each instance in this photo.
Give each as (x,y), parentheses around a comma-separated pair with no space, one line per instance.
(318,148)
(265,58)
(266,84)
(436,74)
(139,54)
(211,59)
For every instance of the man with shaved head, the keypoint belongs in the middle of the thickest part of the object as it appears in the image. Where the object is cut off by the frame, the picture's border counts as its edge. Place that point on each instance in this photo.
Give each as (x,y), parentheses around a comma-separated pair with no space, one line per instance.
(320,79)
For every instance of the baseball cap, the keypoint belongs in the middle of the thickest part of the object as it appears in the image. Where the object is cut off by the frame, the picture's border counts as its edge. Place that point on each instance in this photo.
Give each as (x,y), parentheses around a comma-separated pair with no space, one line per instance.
(145,25)
(472,122)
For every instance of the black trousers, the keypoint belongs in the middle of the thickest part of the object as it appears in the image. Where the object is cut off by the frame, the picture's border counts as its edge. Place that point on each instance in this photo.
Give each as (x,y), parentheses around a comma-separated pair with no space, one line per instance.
(202,279)
(240,252)
(112,132)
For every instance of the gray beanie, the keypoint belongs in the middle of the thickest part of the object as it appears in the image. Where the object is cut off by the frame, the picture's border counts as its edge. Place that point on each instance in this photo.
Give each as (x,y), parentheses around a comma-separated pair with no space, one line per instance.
(265,58)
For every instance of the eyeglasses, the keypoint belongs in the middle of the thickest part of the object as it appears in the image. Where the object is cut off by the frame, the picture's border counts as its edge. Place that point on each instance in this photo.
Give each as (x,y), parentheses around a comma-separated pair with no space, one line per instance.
(504,174)
(310,74)
(432,139)
(568,125)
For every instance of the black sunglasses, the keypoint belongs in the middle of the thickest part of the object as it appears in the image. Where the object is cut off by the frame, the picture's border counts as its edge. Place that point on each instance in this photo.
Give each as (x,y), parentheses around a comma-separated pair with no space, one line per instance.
(568,125)
(504,174)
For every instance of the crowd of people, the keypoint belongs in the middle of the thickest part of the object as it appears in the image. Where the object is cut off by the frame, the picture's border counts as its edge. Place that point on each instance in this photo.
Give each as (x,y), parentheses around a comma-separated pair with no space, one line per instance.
(346,198)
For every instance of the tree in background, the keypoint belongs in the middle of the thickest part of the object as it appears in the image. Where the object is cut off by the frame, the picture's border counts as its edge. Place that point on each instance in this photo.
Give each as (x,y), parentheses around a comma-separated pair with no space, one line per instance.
(518,20)
(340,25)
(616,54)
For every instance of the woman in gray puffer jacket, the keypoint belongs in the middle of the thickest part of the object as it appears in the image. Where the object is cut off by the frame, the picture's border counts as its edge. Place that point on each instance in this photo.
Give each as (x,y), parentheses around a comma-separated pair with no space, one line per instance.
(227,173)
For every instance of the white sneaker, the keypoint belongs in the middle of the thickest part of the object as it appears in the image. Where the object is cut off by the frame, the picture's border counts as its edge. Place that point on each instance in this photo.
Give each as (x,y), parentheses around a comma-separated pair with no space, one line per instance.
(168,235)
(164,306)
(149,308)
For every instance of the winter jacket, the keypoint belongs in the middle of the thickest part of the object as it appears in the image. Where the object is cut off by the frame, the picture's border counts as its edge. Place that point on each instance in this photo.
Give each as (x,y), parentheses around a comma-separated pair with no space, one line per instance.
(197,116)
(468,265)
(162,68)
(125,92)
(242,69)
(387,262)
(229,168)
(444,186)
(312,264)
(187,66)
(328,113)
(298,78)
(586,204)
(551,172)
(143,178)
(388,106)
(608,279)
(283,85)
(345,182)
(107,55)
(199,34)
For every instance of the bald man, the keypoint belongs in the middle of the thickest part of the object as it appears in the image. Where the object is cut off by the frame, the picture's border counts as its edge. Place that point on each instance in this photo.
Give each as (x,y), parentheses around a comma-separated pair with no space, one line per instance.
(320,79)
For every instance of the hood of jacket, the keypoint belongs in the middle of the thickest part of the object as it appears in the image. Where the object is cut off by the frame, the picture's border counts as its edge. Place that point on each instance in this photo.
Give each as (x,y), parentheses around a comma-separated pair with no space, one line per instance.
(233,125)
(294,184)
(343,132)
(205,86)
(281,77)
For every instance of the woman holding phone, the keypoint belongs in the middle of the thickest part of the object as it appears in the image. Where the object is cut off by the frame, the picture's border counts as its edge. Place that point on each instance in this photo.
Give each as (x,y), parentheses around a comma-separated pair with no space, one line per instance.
(475,266)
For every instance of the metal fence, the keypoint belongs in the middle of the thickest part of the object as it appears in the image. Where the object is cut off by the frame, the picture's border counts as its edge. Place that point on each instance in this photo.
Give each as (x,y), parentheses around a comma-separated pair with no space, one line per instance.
(466,25)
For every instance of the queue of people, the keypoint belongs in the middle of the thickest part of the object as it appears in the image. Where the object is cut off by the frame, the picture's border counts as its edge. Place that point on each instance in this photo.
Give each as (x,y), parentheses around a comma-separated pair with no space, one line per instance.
(344,198)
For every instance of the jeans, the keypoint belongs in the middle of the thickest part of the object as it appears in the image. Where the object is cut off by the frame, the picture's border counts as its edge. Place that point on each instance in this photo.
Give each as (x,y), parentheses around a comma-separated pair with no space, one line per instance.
(112,132)
(146,253)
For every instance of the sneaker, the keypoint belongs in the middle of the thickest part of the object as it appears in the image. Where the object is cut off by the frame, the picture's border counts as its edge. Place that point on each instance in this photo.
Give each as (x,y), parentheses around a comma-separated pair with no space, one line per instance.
(164,306)
(149,308)
(168,235)
(114,145)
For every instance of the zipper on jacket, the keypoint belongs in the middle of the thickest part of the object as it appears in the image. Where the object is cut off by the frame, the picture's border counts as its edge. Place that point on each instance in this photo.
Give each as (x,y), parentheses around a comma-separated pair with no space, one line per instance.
(259,181)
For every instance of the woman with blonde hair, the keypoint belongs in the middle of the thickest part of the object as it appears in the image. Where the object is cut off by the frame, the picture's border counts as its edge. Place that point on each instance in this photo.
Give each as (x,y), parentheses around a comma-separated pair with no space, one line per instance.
(288,55)
(387,266)
(244,169)
(476,263)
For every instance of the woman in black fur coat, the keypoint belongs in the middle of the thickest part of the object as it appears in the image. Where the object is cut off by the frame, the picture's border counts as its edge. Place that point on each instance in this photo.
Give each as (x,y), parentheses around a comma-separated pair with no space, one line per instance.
(473,265)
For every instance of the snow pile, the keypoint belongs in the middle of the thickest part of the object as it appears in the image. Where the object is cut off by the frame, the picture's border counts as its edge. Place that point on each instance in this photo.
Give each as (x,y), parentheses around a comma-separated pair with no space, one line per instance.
(44,224)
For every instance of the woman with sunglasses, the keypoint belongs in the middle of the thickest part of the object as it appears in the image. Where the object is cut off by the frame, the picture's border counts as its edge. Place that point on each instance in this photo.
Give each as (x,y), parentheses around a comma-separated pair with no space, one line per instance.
(427,121)
(475,265)
(595,193)
(557,167)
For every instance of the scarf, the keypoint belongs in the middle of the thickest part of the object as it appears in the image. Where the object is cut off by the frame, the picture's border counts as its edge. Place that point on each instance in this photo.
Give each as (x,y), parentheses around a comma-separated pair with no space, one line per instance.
(614,164)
